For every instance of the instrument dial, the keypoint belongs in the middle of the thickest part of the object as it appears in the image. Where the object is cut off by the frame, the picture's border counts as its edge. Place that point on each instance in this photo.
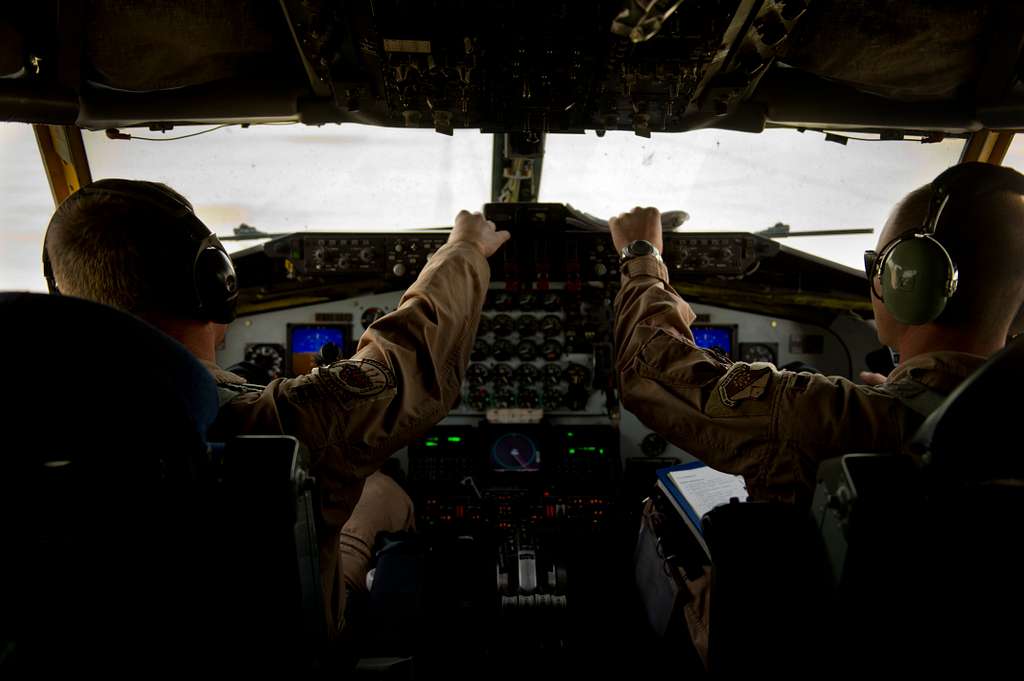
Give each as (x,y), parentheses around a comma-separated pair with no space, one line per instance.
(526,350)
(551,302)
(553,398)
(527,374)
(478,374)
(502,375)
(526,325)
(551,351)
(370,315)
(503,349)
(484,327)
(505,398)
(479,399)
(528,398)
(527,301)
(552,374)
(551,326)
(502,325)
(481,350)
(503,301)
(267,356)
(576,375)
(759,352)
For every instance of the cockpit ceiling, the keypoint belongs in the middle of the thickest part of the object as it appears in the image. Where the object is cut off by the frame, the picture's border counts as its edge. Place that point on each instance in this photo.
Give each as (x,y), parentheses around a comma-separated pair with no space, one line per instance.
(518,65)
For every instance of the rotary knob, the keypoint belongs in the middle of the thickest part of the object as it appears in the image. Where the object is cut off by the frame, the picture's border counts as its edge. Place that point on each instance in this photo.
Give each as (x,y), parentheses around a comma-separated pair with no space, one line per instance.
(399,269)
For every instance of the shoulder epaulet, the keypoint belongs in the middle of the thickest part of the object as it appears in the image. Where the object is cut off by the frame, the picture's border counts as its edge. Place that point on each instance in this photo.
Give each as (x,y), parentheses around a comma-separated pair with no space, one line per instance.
(915,396)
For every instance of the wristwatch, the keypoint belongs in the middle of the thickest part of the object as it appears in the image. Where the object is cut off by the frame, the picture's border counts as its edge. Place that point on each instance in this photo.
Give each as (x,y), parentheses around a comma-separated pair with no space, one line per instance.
(637,249)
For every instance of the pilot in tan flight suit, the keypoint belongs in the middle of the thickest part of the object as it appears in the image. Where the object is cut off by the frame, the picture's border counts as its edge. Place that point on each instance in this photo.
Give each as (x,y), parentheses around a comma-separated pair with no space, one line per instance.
(112,240)
(774,427)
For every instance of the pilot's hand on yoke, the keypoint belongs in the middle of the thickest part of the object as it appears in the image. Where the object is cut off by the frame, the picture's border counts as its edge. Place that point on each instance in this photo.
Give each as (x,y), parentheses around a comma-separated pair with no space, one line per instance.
(472,227)
(639,223)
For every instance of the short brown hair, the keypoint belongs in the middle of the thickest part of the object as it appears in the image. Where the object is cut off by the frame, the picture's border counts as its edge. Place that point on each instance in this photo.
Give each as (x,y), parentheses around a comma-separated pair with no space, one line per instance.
(114,250)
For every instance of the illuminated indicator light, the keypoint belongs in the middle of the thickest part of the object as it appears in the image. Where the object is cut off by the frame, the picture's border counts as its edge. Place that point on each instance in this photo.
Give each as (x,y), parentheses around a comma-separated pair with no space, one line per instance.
(572,450)
(454,438)
(570,434)
(432,438)
(601,451)
(431,443)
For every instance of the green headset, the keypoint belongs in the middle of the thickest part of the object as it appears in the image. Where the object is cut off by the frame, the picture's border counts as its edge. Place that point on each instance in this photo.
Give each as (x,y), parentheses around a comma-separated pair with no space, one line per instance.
(203,284)
(917,274)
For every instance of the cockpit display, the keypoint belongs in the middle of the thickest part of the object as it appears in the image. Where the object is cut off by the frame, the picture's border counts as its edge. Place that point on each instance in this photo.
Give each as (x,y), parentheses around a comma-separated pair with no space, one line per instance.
(515,451)
(306,342)
(717,338)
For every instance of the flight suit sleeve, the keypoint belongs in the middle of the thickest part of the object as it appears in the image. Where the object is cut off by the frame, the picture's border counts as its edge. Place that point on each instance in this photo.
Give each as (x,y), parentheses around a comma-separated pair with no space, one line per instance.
(404,377)
(772,427)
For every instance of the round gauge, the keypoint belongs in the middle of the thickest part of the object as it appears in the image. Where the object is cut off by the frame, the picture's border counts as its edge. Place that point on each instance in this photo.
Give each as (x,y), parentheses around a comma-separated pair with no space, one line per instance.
(370,315)
(576,399)
(527,301)
(528,398)
(267,356)
(503,349)
(527,374)
(503,301)
(759,352)
(551,302)
(553,398)
(515,452)
(577,375)
(478,374)
(526,325)
(502,325)
(479,399)
(481,350)
(505,398)
(551,350)
(526,350)
(552,374)
(551,325)
(484,327)
(653,445)
(502,374)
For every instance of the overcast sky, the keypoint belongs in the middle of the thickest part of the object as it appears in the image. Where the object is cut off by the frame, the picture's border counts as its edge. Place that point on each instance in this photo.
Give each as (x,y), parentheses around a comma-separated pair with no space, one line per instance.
(288,178)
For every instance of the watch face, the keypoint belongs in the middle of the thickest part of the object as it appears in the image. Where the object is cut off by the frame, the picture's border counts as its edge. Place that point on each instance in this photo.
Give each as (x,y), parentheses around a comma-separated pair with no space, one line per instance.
(641,247)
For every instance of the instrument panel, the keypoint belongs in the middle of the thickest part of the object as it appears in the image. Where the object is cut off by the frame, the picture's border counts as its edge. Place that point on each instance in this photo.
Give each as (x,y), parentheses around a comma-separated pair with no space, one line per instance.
(543,251)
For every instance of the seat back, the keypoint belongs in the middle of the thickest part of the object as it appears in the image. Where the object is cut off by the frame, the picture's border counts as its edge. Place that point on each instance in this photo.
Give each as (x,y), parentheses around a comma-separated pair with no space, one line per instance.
(130,544)
(769,589)
(925,555)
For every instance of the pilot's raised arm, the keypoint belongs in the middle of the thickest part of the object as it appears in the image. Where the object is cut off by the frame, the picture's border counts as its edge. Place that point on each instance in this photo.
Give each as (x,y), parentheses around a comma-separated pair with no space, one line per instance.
(404,376)
(773,427)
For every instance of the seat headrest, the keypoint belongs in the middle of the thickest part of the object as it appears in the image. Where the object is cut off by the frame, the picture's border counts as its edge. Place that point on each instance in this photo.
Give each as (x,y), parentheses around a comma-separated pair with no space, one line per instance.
(973,435)
(91,376)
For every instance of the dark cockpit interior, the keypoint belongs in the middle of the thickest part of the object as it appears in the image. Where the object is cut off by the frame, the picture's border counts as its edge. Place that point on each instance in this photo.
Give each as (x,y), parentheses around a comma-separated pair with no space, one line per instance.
(530,557)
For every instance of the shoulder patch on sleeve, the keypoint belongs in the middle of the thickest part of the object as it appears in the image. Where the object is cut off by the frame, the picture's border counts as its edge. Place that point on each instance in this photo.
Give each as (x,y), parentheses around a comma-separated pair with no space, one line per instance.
(744,382)
(356,379)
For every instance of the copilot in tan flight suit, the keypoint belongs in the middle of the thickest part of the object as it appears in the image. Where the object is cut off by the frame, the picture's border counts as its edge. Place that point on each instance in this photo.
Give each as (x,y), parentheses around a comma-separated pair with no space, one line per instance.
(772,427)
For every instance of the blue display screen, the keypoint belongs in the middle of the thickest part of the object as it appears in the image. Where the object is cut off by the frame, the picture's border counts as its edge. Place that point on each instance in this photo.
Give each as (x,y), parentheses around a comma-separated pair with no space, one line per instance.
(312,338)
(717,338)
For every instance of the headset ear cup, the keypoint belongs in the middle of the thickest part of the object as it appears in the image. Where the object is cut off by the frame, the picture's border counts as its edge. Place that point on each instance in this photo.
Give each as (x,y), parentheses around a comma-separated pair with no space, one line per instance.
(216,285)
(916,278)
